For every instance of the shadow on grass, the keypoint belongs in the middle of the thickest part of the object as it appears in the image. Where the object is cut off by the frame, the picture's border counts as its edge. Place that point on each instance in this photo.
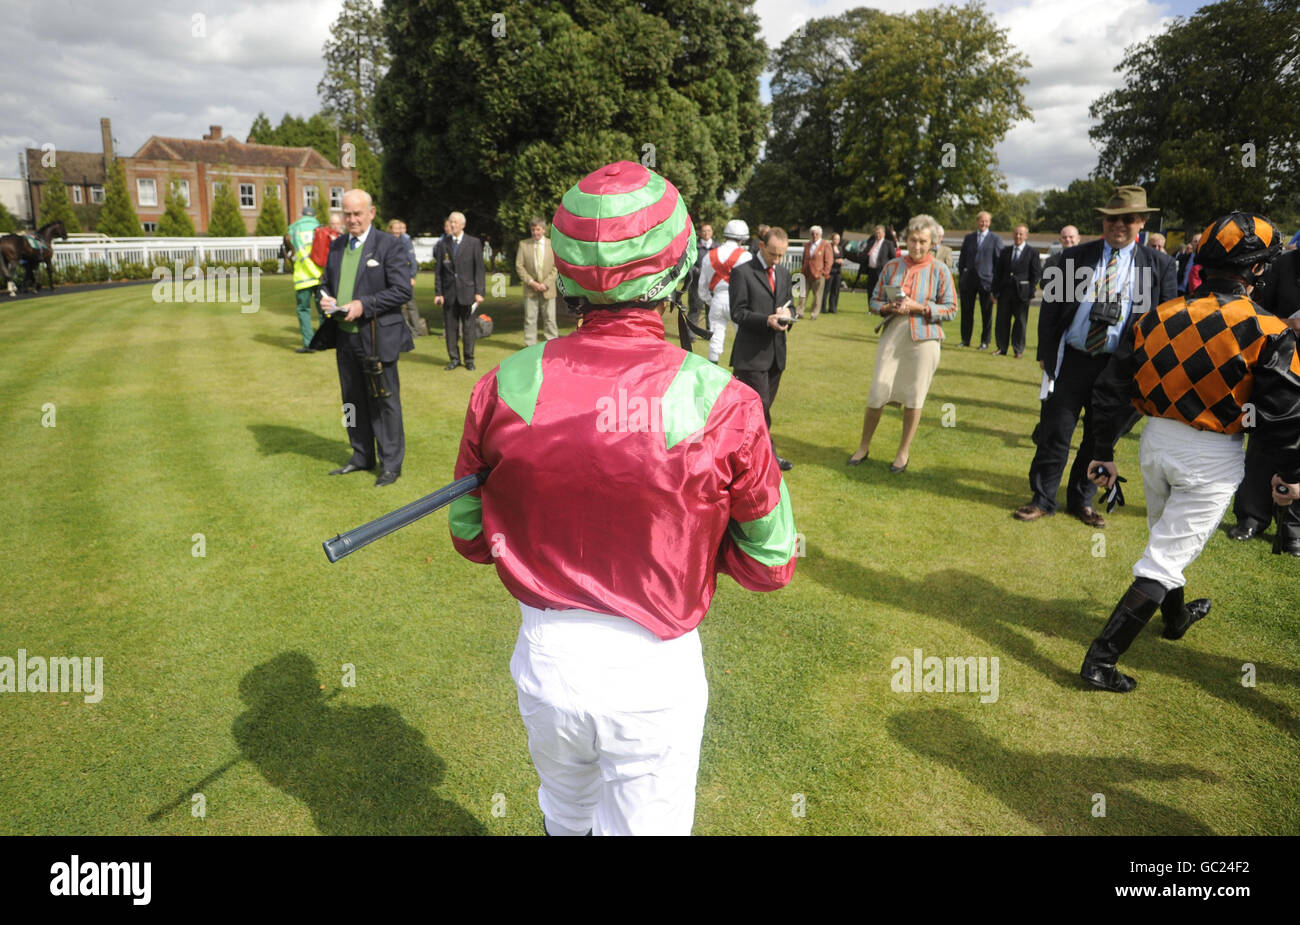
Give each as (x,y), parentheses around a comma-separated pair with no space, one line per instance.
(284,341)
(1003,618)
(360,770)
(1063,800)
(273,439)
(977,486)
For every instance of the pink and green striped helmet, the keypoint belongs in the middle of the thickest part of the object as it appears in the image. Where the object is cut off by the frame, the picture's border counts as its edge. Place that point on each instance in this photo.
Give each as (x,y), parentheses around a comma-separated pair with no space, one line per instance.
(622,235)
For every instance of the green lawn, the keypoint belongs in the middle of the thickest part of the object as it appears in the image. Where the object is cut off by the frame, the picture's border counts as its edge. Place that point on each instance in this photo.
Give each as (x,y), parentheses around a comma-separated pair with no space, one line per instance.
(223,674)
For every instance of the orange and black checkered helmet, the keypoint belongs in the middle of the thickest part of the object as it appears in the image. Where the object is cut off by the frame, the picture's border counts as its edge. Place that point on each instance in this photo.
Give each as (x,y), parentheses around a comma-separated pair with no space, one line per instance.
(1238,241)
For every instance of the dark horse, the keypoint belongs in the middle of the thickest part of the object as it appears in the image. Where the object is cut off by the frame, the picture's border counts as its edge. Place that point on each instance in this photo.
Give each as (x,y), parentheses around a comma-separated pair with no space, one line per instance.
(19,248)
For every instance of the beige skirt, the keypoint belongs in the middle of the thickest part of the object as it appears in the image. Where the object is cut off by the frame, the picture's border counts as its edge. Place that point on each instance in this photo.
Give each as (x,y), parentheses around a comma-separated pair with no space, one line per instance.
(904,367)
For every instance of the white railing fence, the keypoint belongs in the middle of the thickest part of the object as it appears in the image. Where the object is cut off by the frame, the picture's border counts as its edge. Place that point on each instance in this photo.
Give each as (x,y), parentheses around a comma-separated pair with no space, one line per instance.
(149,251)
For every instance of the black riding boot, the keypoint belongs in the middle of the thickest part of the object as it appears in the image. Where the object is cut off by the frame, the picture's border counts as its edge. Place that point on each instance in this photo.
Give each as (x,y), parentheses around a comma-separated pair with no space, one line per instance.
(1179,617)
(1131,614)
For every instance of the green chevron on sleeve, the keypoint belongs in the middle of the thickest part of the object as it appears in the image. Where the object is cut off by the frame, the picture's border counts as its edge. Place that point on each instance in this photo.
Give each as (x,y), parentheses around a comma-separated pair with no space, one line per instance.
(519,380)
(466,517)
(690,397)
(770,540)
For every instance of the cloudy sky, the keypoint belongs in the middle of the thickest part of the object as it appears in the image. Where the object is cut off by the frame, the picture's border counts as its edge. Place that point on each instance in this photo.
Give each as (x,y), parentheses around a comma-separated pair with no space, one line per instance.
(174,68)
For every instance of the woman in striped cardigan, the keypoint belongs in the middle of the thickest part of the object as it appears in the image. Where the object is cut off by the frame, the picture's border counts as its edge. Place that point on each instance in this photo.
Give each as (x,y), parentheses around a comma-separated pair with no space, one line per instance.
(915,296)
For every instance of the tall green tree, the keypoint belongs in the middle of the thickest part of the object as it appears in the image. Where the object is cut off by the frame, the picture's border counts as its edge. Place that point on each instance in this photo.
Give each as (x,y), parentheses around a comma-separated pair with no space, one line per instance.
(271,221)
(356,57)
(225,220)
(933,95)
(1208,118)
(175,222)
(495,108)
(796,182)
(55,204)
(7,221)
(118,218)
(901,112)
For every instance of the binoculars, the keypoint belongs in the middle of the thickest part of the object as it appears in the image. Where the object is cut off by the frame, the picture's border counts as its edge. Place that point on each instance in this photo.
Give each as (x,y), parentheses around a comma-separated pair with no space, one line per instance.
(375,376)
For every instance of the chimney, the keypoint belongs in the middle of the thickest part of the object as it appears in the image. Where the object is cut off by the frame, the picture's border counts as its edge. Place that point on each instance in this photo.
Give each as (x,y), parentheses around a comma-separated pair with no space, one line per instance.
(106,132)
(214,133)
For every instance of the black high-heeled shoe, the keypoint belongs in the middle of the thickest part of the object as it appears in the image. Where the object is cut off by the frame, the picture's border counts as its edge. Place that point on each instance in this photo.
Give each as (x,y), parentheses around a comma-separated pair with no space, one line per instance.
(897,469)
(856,462)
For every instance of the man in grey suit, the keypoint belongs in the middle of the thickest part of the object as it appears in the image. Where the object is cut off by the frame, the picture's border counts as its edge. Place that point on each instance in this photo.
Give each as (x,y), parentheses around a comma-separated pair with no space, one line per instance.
(460,283)
(980,251)
(366,282)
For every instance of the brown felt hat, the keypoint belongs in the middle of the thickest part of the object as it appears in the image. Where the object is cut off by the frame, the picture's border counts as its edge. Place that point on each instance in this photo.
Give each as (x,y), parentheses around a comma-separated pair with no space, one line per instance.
(1126,199)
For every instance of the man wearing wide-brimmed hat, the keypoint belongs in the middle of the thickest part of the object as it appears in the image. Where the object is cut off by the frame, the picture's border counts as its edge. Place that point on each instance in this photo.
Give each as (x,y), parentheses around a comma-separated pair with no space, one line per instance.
(1090,299)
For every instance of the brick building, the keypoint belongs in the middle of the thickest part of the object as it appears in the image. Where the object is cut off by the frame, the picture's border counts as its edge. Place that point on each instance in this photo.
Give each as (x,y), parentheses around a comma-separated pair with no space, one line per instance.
(196,166)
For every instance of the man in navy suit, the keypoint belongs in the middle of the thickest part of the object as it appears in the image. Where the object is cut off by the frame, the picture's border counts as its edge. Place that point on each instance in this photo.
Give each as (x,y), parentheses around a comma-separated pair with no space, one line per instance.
(367,281)
(1017,276)
(460,283)
(761,295)
(980,251)
(1091,297)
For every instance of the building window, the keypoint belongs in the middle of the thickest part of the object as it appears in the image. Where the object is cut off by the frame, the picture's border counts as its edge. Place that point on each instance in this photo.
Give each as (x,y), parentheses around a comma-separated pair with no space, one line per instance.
(146,192)
(97,195)
(336,197)
(149,227)
(181,190)
(247,196)
(309,196)
(76,195)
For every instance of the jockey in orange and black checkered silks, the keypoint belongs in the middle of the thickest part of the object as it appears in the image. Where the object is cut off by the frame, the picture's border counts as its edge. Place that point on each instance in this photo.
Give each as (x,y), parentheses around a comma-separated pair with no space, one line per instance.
(1204,368)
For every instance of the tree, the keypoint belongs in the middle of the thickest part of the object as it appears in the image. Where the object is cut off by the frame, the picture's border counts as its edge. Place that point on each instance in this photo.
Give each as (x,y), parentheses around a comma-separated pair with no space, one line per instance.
(909,118)
(324,136)
(175,221)
(494,109)
(118,218)
(796,182)
(1075,205)
(1208,118)
(935,92)
(55,205)
(356,57)
(7,221)
(271,221)
(225,220)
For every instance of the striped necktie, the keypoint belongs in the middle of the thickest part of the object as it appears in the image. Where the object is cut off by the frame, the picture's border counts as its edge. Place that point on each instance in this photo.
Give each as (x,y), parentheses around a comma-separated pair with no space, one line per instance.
(1095,342)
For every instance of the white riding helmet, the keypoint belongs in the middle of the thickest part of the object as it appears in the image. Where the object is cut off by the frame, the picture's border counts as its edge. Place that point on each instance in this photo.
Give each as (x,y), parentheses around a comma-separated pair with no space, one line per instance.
(736,230)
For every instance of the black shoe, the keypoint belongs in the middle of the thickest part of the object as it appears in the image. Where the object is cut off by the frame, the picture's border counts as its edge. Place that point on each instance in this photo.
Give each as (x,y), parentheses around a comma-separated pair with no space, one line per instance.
(1246,530)
(469,364)
(856,462)
(1178,616)
(784,464)
(897,469)
(344,470)
(386,478)
(452,365)
(1126,621)
(304,350)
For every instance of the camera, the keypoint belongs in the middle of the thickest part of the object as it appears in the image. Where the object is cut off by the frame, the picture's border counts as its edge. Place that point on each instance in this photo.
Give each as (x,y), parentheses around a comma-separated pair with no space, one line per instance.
(1107,312)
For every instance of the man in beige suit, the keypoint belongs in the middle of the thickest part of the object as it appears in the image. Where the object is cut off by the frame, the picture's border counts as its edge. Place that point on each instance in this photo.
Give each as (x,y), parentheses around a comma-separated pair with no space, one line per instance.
(535,265)
(817,262)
